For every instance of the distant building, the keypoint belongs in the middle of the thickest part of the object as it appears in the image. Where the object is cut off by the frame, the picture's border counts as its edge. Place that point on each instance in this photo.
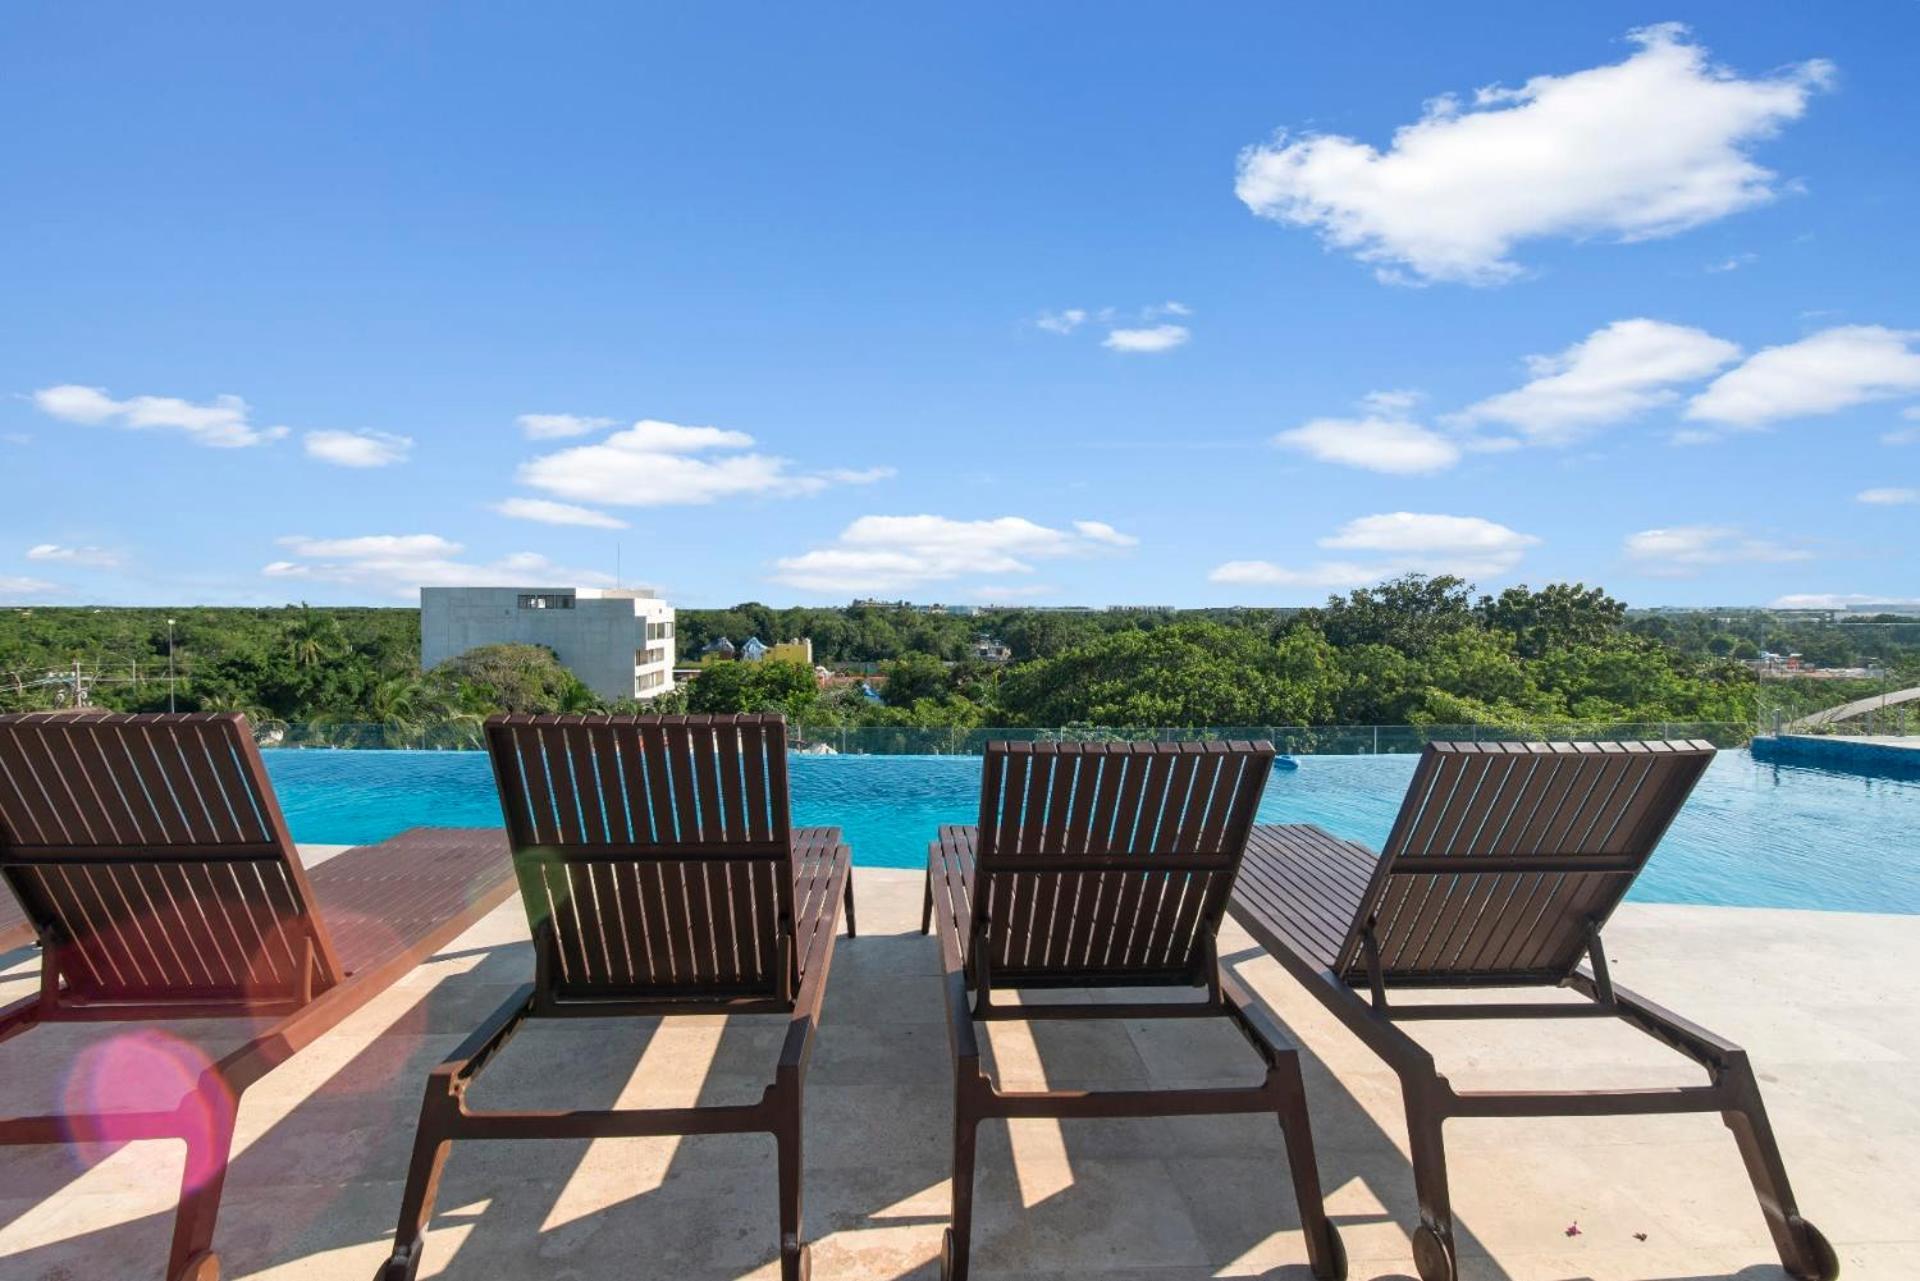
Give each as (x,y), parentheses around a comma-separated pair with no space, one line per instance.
(752,650)
(720,648)
(987,649)
(797,650)
(618,642)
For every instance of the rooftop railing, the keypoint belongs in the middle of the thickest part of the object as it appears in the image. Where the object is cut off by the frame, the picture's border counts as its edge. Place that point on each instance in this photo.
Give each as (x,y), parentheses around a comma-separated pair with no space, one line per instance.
(1347,740)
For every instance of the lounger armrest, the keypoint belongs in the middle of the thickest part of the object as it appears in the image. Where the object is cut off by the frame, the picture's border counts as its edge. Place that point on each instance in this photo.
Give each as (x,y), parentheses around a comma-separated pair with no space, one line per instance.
(19,1016)
(798,1046)
(960,1032)
(1270,1038)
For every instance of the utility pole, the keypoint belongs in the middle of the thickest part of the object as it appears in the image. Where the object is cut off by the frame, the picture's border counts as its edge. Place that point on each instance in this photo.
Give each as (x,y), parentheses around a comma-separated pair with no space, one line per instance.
(169,664)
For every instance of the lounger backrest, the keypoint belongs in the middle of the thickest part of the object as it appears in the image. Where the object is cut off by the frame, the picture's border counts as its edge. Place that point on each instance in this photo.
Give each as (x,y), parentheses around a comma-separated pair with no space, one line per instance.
(1110,861)
(653,852)
(1504,854)
(154,862)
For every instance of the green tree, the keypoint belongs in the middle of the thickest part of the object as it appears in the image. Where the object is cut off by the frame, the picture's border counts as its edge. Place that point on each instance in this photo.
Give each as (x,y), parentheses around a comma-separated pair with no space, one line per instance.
(1558,615)
(914,678)
(769,686)
(1409,613)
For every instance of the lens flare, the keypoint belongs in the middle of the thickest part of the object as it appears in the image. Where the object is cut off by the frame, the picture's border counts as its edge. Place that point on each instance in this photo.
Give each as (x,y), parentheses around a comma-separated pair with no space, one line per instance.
(117,1085)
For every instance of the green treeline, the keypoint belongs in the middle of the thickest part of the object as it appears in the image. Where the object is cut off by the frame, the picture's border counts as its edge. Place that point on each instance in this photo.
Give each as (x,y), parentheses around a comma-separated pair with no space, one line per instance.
(1415,650)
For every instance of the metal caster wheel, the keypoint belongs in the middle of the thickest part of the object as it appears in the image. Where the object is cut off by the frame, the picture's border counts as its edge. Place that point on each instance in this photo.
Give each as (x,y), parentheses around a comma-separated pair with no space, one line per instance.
(1432,1257)
(1336,1256)
(1826,1264)
(204,1266)
(401,1267)
(946,1256)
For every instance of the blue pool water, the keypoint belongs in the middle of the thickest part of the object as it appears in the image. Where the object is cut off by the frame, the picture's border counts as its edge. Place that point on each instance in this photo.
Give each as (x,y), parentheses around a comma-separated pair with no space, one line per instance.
(1754,834)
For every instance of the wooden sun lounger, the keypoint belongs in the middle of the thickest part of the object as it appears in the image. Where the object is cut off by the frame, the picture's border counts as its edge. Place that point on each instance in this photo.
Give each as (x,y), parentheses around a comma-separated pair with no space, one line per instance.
(1101,866)
(661,876)
(152,859)
(1501,870)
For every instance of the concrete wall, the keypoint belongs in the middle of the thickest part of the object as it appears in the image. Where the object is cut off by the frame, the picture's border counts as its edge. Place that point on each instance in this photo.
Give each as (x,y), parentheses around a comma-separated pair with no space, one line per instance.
(602,639)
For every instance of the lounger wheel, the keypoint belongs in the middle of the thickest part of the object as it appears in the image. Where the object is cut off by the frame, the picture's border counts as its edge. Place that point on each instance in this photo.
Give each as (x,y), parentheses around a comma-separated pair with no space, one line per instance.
(946,1256)
(1336,1255)
(403,1266)
(202,1265)
(1819,1251)
(1432,1257)
(803,1270)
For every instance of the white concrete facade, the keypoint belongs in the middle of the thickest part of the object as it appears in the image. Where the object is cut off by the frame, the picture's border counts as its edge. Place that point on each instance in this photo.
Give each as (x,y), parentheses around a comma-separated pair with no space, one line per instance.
(619,642)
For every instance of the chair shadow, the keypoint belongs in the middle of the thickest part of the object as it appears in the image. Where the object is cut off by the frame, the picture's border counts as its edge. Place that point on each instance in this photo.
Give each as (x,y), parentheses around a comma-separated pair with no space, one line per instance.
(324,1179)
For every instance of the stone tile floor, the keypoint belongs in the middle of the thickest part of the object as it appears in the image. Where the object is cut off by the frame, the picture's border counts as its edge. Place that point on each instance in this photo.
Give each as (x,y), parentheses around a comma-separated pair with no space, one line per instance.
(1824,1001)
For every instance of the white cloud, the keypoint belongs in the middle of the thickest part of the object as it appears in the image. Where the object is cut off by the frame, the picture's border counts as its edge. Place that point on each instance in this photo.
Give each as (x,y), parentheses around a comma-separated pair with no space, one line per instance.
(401,564)
(999,592)
(1682,551)
(891,553)
(1641,148)
(1172,308)
(1394,543)
(94,557)
(1154,338)
(1392,445)
(1733,262)
(1837,600)
(858,475)
(1328,575)
(657,464)
(223,423)
(548,512)
(357,448)
(1612,374)
(1061,322)
(557,426)
(1828,371)
(1889,497)
(14,588)
(1101,532)
(1904,435)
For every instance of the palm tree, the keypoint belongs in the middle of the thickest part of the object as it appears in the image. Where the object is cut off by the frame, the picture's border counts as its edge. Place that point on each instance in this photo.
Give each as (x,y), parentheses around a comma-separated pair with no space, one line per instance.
(311,637)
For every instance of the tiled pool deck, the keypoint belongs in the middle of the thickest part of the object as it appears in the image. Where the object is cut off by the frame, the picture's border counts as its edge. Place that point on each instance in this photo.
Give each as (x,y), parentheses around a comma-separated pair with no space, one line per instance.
(1824,1001)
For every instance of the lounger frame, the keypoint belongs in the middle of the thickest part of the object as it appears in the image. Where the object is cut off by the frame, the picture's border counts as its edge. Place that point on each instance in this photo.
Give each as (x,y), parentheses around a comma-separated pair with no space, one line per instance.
(1489,881)
(1106,865)
(152,857)
(661,877)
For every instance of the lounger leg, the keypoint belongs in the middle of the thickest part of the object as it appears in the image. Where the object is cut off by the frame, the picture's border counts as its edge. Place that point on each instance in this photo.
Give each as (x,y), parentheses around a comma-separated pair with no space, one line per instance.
(1433,1252)
(795,1263)
(1325,1254)
(432,1140)
(191,1257)
(1804,1252)
(850,929)
(926,905)
(953,1261)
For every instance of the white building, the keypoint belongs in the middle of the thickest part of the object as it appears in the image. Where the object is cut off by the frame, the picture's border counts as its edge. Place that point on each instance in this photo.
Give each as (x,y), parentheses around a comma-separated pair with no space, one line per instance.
(618,642)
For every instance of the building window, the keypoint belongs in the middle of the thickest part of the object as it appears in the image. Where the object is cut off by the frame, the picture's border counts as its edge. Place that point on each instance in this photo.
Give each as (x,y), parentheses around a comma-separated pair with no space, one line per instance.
(545,600)
(659,631)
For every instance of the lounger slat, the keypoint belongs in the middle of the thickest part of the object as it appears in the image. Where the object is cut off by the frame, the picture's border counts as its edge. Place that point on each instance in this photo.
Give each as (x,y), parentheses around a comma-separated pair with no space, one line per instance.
(666,867)
(1104,862)
(1579,819)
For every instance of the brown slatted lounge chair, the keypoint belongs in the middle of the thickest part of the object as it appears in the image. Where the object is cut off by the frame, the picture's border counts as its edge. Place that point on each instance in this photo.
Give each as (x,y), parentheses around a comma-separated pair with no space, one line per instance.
(661,876)
(1106,865)
(1504,864)
(153,860)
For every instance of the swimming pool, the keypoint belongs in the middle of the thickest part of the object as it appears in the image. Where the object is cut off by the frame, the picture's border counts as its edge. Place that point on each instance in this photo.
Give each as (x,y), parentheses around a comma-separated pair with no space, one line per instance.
(1754,834)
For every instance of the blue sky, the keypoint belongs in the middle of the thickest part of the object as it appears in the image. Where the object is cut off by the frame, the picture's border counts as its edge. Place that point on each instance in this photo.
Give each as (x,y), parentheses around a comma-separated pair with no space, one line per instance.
(1083,303)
